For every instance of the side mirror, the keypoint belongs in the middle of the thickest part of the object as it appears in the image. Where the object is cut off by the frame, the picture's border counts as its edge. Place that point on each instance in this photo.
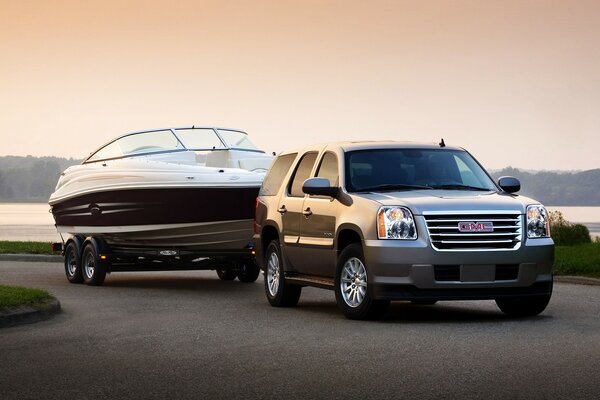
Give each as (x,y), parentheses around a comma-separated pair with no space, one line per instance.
(509,184)
(319,187)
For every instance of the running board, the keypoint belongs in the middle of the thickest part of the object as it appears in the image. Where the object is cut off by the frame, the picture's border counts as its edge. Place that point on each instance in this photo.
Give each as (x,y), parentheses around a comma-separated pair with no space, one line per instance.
(309,280)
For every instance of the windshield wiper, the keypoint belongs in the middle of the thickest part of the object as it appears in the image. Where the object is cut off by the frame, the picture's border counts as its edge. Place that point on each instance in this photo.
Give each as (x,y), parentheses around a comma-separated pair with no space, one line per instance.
(387,187)
(461,187)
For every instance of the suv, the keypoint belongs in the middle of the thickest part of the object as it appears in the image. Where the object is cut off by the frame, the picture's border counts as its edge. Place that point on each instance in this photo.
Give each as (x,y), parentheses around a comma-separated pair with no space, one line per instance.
(381,221)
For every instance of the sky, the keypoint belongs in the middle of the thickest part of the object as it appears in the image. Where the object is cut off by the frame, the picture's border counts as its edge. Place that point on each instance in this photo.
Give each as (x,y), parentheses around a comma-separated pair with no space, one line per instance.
(517,83)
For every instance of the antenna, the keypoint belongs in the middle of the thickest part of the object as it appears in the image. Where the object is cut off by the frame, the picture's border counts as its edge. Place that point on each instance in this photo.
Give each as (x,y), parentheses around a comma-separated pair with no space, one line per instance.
(442,144)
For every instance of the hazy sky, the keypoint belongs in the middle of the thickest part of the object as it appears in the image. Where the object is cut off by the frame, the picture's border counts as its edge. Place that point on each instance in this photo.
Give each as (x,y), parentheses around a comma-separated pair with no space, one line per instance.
(515,82)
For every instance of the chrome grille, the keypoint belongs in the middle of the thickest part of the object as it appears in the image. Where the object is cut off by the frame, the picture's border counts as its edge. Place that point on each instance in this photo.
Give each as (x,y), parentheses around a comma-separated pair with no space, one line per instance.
(445,235)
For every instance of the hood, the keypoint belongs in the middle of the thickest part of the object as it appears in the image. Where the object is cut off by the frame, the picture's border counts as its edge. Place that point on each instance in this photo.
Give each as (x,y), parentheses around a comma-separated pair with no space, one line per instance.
(419,201)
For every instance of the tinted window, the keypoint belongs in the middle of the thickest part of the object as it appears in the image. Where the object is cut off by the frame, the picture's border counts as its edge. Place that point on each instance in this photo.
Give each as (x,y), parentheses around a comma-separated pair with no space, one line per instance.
(435,168)
(329,169)
(276,174)
(302,173)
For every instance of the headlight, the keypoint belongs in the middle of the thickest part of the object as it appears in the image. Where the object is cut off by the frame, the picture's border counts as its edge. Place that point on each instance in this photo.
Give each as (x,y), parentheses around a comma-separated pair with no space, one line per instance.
(537,222)
(395,223)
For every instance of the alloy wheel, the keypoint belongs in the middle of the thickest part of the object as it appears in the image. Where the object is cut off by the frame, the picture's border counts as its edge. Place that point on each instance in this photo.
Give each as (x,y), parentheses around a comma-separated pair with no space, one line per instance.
(353,282)
(273,274)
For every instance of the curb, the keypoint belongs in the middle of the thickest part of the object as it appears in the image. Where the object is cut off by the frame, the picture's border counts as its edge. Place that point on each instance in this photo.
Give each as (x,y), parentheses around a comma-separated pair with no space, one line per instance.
(31,257)
(578,280)
(29,314)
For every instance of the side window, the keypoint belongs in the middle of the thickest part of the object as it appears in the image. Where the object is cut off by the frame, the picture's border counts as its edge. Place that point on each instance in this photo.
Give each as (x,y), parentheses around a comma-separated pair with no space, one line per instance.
(301,174)
(329,169)
(276,174)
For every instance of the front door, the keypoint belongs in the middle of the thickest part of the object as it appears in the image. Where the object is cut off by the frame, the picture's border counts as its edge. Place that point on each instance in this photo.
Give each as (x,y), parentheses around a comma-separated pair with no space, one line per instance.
(318,222)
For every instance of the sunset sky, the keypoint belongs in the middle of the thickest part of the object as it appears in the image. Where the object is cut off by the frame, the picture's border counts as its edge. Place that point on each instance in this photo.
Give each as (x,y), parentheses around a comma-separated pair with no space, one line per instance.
(515,82)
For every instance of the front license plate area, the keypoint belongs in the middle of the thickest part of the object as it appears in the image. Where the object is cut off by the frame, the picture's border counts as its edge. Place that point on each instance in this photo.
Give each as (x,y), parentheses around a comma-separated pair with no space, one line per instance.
(477,273)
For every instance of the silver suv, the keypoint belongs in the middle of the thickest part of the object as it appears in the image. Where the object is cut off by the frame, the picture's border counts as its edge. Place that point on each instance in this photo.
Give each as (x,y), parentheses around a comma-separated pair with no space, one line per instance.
(381,221)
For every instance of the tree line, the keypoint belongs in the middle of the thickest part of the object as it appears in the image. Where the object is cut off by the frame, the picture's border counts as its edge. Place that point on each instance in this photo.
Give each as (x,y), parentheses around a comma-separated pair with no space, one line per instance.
(558,188)
(30,178)
(34,178)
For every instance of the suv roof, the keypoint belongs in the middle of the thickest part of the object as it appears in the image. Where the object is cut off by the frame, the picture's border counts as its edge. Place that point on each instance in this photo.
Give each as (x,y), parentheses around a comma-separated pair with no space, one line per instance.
(370,144)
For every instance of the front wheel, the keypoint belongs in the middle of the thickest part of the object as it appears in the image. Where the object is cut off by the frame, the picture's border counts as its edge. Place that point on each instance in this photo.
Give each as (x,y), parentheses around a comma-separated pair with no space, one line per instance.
(278,291)
(352,291)
(73,264)
(523,306)
(93,273)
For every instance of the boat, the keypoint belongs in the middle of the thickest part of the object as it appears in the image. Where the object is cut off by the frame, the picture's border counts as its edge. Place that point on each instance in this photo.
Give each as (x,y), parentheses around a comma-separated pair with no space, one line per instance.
(168,192)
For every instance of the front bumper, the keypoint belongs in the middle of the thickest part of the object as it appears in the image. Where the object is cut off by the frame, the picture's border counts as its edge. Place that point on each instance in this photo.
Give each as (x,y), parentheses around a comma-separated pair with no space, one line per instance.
(410,270)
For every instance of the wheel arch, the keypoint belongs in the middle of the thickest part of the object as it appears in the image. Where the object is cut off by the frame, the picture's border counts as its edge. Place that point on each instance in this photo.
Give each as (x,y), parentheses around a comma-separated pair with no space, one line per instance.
(269,233)
(78,242)
(347,234)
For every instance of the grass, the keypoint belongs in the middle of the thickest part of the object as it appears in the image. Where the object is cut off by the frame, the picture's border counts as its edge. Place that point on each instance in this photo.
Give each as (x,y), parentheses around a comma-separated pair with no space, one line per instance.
(581,260)
(15,296)
(9,247)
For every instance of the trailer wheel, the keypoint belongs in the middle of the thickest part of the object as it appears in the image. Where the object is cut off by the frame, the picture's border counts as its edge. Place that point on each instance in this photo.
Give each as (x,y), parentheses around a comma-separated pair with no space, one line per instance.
(248,272)
(93,273)
(73,263)
(226,274)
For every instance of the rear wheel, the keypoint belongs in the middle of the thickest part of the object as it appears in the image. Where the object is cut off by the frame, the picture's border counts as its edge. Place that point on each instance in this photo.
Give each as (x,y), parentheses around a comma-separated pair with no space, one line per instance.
(352,291)
(278,291)
(226,274)
(73,263)
(93,273)
(248,272)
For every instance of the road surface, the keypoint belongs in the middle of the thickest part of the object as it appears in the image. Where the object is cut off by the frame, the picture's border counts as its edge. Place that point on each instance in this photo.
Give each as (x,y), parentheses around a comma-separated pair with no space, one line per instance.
(188,335)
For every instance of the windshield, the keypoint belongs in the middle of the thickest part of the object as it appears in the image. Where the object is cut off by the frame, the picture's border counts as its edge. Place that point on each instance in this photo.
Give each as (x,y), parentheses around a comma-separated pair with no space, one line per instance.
(414,169)
(237,140)
(138,144)
(200,139)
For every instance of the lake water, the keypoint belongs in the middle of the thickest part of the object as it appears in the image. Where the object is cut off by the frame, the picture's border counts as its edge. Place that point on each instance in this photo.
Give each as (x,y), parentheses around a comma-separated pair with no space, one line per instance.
(33,221)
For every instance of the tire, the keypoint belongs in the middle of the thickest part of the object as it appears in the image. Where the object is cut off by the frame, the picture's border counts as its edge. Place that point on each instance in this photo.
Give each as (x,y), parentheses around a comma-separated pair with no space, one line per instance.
(226,274)
(352,290)
(248,272)
(278,291)
(73,263)
(524,306)
(93,272)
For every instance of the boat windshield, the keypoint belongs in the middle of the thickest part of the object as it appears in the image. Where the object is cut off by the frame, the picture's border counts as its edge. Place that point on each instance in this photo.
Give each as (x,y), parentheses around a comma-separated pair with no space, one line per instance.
(200,139)
(138,143)
(414,169)
(237,140)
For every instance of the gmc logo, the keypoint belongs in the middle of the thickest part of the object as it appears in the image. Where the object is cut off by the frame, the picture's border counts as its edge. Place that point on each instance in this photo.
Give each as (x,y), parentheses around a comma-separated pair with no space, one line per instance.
(475,227)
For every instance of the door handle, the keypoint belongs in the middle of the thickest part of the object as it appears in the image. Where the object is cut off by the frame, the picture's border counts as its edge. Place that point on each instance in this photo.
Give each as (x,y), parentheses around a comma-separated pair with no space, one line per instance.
(307,212)
(282,210)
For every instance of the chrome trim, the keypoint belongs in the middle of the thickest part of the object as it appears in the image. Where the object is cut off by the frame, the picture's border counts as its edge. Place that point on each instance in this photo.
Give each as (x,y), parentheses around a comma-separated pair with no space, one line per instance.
(508,236)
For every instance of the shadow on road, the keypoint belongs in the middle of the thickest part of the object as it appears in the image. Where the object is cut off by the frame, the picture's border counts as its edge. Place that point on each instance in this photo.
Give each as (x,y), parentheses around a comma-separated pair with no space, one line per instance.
(405,312)
(178,283)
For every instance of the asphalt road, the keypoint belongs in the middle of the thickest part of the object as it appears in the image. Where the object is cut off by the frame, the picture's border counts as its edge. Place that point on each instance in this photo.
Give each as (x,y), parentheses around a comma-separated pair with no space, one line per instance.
(189,335)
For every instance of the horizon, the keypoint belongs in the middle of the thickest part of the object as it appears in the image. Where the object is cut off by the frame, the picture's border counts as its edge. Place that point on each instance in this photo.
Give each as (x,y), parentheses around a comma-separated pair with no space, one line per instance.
(490,170)
(514,82)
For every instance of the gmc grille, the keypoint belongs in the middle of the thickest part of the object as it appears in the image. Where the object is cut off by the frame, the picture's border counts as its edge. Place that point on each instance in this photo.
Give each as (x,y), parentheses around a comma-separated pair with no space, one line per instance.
(445,234)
